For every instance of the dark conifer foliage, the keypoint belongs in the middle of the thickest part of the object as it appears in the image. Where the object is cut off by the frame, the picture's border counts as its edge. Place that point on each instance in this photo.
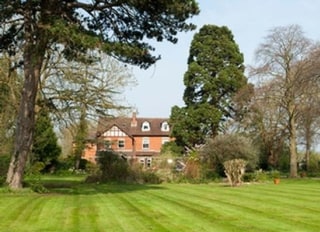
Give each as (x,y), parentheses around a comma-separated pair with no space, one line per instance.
(215,73)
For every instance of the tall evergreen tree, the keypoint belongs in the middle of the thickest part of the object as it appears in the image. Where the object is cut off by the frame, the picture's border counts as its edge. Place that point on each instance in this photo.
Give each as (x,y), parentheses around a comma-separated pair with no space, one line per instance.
(118,28)
(45,147)
(215,73)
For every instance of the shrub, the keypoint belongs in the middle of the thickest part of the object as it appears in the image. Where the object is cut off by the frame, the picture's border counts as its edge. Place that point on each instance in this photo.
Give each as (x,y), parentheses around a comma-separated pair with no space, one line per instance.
(38,188)
(261,176)
(234,170)
(34,177)
(163,167)
(192,169)
(4,164)
(149,177)
(275,174)
(112,166)
(171,148)
(249,177)
(314,165)
(256,176)
(64,166)
(229,147)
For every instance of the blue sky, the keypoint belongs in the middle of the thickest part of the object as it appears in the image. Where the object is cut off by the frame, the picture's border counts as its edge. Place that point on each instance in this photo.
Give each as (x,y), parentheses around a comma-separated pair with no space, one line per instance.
(161,86)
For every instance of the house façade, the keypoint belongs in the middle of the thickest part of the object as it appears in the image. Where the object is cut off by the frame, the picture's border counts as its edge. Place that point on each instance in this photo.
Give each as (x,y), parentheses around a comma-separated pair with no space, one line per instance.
(135,138)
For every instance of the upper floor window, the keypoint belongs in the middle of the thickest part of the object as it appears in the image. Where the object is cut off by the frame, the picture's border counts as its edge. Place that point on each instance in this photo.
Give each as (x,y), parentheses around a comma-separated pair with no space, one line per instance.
(145,143)
(165,126)
(145,126)
(120,144)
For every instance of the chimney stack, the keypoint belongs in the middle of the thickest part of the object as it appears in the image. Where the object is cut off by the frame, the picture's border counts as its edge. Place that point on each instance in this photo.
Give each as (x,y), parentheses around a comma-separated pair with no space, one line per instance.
(134,119)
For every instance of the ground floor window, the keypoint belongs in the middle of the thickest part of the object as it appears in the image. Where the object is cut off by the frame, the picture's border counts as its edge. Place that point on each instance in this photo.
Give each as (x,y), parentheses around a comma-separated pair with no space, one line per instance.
(165,140)
(145,162)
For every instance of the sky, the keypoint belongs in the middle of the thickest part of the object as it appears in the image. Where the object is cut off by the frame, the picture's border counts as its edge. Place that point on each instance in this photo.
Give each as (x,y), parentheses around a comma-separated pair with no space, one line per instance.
(161,86)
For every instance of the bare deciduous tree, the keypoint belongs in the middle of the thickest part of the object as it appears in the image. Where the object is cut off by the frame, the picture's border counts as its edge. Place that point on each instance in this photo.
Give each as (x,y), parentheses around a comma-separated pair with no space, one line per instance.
(268,124)
(309,121)
(283,58)
(79,92)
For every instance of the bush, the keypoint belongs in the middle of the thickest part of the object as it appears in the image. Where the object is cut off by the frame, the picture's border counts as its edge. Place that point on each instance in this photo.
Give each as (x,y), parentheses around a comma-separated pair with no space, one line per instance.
(193,169)
(256,176)
(314,165)
(234,170)
(284,162)
(249,177)
(261,176)
(163,167)
(4,164)
(171,148)
(229,147)
(149,177)
(34,177)
(112,167)
(38,188)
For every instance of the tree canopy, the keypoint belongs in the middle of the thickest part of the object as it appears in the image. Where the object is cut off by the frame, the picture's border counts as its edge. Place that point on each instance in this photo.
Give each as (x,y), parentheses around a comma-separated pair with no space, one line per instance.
(288,59)
(215,73)
(121,29)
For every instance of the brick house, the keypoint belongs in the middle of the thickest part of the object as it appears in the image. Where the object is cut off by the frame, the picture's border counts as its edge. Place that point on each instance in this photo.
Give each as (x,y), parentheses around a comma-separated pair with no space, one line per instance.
(135,138)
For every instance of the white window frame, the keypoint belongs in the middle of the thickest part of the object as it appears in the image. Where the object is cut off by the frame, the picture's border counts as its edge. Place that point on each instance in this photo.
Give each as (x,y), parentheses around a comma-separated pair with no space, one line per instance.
(149,162)
(146,162)
(145,141)
(145,126)
(165,126)
(165,140)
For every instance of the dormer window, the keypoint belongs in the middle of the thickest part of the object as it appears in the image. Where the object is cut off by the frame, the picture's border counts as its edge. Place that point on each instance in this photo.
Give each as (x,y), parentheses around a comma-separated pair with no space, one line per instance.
(145,126)
(165,126)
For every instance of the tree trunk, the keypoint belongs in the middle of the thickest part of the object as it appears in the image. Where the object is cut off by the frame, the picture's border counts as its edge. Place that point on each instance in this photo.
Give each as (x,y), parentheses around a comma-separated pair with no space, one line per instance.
(308,138)
(307,158)
(77,163)
(25,129)
(33,56)
(293,147)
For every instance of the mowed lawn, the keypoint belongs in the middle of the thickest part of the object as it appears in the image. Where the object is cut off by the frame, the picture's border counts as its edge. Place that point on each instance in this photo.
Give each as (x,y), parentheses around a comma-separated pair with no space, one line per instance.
(293,205)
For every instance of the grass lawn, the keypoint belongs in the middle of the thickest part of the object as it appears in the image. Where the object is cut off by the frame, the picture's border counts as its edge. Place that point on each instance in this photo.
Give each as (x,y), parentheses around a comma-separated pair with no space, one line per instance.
(293,205)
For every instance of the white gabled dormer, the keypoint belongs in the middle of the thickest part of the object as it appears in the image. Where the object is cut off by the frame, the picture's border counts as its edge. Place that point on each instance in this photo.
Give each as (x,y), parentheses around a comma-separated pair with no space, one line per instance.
(145,126)
(165,126)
